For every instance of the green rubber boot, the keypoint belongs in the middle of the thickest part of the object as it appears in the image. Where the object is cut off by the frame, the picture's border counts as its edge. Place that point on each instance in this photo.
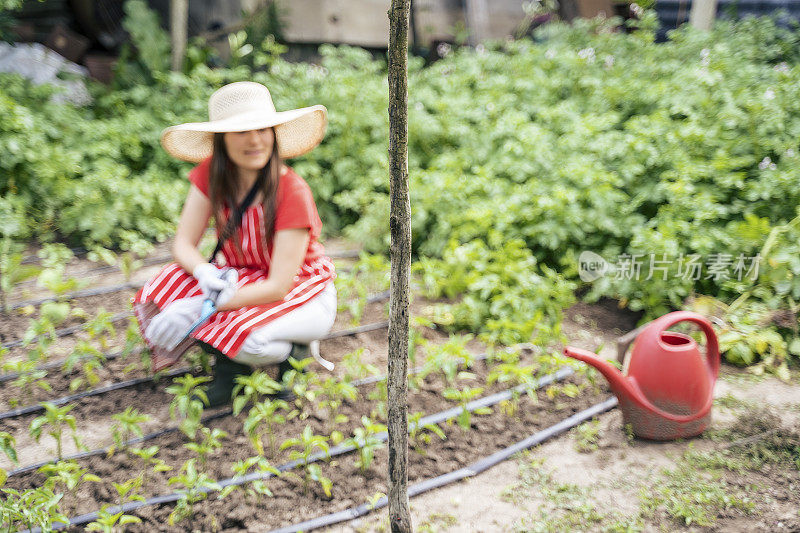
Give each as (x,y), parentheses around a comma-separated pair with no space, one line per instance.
(224,372)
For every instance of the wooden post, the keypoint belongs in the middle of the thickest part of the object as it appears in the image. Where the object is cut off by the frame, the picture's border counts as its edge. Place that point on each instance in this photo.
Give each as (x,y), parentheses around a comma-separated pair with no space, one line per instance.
(178,21)
(703,14)
(477,21)
(400,257)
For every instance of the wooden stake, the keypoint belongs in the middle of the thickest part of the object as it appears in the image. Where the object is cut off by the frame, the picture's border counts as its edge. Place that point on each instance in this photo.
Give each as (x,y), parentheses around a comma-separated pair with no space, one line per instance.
(400,256)
(703,14)
(178,21)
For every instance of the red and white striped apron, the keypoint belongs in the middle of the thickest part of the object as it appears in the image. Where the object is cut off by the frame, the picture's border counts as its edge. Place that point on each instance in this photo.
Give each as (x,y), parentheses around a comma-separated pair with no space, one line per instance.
(227,330)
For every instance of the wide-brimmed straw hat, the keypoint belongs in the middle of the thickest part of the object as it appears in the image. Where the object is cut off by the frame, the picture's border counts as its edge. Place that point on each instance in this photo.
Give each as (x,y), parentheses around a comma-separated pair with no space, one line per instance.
(243,106)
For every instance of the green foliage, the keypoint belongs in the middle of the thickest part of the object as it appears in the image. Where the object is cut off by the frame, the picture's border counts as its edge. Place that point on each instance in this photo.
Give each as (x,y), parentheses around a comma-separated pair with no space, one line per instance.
(55,420)
(8,446)
(211,442)
(26,509)
(366,439)
(306,444)
(463,396)
(419,435)
(256,488)
(253,389)
(127,424)
(151,42)
(195,486)
(12,271)
(261,420)
(190,395)
(332,392)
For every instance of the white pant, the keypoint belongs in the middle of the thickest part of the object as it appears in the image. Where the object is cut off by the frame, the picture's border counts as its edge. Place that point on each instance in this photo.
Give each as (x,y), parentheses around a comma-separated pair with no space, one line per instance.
(272,343)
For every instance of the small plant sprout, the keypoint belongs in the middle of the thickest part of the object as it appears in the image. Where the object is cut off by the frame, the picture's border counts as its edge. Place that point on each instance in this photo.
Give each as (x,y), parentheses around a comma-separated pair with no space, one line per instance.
(355,368)
(190,395)
(333,392)
(378,396)
(463,397)
(127,424)
(28,379)
(374,499)
(196,486)
(586,436)
(252,389)
(128,264)
(12,271)
(307,443)
(55,419)
(101,328)
(257,487)
(148,456)
(210,443)
(66,473)
(91,360)
(108,522)
(261,420)
(366,440)
(298,380)
(8,446)
(420,434)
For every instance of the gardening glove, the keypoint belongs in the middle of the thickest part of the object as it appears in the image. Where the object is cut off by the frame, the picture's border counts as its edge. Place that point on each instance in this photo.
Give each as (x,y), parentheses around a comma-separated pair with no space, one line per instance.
(170,326)
(209,278)
(230,277)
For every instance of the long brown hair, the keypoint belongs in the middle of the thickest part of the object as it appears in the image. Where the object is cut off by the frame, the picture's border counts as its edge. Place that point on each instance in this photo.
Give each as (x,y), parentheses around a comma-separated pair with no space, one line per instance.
(223,186)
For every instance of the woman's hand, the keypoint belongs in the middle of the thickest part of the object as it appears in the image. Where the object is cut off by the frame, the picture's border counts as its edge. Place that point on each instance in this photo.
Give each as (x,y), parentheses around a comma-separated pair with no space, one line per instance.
(170,326)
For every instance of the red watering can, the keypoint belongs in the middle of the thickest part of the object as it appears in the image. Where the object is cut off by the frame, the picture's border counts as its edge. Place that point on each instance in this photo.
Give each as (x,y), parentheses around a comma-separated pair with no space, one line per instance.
(668,390)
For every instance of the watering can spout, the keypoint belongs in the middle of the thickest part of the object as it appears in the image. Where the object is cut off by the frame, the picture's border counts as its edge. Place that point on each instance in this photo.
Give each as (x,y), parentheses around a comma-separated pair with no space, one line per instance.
(618,382)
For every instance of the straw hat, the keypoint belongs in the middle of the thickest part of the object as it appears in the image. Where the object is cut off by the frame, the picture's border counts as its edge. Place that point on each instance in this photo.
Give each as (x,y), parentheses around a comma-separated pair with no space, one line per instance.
(243,106)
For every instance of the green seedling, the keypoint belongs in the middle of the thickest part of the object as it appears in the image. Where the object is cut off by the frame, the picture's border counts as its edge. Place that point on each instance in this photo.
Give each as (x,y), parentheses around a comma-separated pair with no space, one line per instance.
(56,420)
(8,445)
(355,368)
(195,489)
(101,328)
(126,492)
(463,397)
(43,329)
(254,489)
(210,443)
(66,473)
(261,420)
(190,395)
(307,443)
(28,379)
(370,273)
(91,360)
(126,424)
(420,435)
(31,508)
(253,389)
(366,440)
(332,393)
(378,397)
(12,271)
(586,436)
(128,264)
(298,380)
(148,456)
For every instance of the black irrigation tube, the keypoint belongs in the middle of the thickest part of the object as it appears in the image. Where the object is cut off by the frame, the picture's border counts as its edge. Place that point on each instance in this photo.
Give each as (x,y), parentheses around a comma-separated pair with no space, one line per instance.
(133,382)
(343,333)
(341,449)
(21,411)
(474,469)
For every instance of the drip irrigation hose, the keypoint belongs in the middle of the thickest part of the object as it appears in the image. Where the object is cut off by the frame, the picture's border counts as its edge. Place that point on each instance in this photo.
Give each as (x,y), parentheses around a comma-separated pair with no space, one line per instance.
(85,293)
(457,475)
(341,449)
(343,333)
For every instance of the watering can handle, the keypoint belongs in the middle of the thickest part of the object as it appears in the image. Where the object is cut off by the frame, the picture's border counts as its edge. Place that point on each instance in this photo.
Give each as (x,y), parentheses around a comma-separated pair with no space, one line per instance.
(712,345)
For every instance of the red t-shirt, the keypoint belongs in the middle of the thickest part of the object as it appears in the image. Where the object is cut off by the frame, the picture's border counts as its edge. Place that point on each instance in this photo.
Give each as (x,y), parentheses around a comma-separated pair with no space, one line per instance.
(295,206)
